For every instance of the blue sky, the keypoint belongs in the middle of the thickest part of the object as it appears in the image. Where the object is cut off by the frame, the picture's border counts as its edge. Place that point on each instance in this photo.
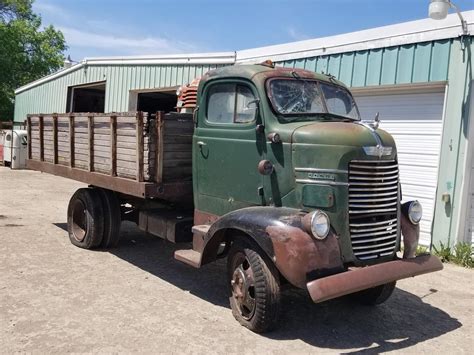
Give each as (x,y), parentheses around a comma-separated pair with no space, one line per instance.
(147,27)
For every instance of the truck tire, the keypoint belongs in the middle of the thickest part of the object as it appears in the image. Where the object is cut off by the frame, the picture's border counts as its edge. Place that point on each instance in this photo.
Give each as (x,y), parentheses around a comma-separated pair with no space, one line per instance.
(376,295)
(254,288)
(112,218)
(85,222)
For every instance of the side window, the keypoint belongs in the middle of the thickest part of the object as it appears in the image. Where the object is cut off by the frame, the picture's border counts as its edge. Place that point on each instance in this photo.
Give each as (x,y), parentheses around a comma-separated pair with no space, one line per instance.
(220,104)
(230,103)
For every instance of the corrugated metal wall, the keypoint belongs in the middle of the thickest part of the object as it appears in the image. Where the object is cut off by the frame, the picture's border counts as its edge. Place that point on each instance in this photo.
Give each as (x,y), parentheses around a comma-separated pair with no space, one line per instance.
(52,95)
(414,63)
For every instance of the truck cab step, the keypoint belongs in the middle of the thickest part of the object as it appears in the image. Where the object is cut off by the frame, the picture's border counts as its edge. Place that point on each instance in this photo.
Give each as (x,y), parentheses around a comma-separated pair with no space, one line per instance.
(201,229)
(189,256)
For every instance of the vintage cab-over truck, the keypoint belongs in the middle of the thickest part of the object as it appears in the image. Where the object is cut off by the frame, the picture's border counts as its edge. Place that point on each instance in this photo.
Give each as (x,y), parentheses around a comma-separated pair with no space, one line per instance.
(274,170)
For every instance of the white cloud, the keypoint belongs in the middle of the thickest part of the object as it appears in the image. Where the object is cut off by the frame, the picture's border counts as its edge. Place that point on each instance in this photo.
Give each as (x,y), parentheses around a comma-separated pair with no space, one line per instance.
(128,45)
(97,36)
(295,34)
(50,10)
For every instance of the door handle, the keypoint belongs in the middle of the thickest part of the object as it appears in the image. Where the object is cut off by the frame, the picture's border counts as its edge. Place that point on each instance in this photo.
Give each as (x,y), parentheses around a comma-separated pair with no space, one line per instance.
(201,144)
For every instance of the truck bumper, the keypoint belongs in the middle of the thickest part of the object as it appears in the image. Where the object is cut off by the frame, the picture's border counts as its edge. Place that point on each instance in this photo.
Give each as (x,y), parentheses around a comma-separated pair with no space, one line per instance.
(371,276)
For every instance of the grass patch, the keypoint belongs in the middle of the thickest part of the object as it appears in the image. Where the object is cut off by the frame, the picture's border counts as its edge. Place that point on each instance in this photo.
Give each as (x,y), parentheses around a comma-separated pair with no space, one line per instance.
(461,254)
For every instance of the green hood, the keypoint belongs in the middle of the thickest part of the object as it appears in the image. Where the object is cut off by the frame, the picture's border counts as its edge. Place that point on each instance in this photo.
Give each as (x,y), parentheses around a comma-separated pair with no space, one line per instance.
(340,134)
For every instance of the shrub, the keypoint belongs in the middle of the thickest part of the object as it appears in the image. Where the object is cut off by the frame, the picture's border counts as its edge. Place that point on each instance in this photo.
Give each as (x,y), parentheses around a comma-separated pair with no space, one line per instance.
(460,254)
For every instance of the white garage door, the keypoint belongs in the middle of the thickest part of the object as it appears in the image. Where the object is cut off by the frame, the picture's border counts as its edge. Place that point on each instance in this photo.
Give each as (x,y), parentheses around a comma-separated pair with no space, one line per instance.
(416,122)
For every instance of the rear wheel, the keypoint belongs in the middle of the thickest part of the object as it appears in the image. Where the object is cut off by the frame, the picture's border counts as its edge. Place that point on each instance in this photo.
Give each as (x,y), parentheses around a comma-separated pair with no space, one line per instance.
(375,295)
(254,288)
(85,222)
(112,218)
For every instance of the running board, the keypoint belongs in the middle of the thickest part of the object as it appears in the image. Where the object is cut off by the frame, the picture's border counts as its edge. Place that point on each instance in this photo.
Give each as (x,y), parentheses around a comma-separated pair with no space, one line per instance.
(189,256)
(193,256)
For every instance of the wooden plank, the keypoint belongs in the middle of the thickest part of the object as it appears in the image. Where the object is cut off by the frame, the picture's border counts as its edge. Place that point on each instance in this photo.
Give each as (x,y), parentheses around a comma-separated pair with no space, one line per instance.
(71,141)
(55,139)
(159,147)
(113,145)
(28,137)
(139,132)
(41,138)
(90,128)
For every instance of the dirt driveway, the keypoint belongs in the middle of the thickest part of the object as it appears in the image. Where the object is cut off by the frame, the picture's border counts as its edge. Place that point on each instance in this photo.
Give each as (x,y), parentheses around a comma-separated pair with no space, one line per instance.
(58,298)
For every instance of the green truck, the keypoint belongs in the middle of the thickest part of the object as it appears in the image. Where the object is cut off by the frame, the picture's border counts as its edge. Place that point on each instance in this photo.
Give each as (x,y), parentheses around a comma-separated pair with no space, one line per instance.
(273,169)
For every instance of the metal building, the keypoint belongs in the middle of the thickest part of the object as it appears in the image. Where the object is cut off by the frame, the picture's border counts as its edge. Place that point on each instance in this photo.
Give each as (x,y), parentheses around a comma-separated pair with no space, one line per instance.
(418,75)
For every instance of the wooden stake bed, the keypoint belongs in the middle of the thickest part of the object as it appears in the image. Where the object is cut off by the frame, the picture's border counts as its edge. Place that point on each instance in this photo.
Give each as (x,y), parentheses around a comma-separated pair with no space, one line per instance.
(127,152)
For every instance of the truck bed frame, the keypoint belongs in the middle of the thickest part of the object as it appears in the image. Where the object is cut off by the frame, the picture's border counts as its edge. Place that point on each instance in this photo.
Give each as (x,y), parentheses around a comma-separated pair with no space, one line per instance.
(126,152)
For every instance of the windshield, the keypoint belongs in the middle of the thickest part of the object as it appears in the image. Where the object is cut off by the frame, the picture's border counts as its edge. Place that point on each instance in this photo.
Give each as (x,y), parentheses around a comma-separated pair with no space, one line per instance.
(297,97)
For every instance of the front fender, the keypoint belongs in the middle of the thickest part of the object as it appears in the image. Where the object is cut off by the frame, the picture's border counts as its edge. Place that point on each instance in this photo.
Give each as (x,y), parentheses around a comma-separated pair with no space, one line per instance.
(280,233)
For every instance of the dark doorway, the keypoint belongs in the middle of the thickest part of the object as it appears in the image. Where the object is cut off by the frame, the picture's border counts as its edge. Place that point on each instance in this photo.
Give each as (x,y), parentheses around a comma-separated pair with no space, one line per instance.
(86,98)
(151,102)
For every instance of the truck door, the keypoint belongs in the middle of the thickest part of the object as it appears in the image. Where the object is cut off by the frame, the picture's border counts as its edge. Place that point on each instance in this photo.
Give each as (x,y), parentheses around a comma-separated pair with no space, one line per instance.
(226,150)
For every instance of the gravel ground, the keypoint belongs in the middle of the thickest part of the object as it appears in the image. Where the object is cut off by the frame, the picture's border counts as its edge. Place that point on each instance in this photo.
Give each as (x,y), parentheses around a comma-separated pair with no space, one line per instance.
(57,298)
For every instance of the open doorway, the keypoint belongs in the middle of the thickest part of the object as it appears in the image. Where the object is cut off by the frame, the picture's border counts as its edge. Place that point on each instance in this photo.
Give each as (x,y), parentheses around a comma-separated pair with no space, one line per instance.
(151,101)
(86,98)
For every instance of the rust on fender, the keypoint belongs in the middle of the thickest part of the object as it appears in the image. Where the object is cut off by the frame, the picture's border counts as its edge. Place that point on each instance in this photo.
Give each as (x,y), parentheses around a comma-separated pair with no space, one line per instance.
(296,253)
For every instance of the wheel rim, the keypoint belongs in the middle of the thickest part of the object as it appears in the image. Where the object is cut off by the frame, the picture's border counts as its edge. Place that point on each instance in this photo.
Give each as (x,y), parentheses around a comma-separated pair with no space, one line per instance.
(243,286)
(79,221)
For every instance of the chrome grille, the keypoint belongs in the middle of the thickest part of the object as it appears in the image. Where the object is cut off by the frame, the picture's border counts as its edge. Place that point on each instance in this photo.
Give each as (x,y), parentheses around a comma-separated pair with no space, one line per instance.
(373,206)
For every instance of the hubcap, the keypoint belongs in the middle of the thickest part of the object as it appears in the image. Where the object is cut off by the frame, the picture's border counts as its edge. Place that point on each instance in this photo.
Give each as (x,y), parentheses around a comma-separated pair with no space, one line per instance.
(79,221)
(243,286)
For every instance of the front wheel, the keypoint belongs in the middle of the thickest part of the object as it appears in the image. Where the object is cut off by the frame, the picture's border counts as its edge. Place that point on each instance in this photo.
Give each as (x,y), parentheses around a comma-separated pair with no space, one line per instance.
(376,295)
(254,288)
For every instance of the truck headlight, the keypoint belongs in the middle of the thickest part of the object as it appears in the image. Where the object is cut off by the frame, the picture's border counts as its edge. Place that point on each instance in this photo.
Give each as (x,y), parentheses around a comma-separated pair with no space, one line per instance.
(320,224)
(413,211)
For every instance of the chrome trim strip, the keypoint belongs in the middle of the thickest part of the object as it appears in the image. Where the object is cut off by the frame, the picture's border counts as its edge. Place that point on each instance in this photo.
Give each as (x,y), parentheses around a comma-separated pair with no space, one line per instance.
(394,193)
(386,177)
(375,211)
(354,183)
(375,246)
(321,182)
(314,170)
(374,188)
(386,233)
(383,173)
(371,162)
(351,200)
(370,240)
(373,224)
(369,257)
(374,251)
(358,205)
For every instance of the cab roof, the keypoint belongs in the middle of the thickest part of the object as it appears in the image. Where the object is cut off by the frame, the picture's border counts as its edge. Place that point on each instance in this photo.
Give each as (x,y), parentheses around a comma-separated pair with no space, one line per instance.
(258,72)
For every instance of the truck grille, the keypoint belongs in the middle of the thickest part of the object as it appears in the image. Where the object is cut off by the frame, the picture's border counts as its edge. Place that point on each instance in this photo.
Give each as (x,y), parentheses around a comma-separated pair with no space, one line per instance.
(373,206)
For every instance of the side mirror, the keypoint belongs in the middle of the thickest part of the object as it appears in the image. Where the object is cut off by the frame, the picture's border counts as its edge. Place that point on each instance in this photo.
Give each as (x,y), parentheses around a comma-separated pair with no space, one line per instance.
(253,106)
(253,103)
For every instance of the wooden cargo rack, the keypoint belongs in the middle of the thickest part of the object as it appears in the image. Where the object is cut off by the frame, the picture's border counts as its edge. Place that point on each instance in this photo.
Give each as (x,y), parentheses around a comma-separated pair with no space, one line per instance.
(127,152)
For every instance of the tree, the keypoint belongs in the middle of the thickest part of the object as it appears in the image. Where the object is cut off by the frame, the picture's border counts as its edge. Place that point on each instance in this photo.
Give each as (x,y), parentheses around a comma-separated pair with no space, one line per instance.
(27,51)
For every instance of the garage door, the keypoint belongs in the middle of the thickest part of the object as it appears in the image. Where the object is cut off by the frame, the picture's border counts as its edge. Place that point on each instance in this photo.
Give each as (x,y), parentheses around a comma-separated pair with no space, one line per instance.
(416,122)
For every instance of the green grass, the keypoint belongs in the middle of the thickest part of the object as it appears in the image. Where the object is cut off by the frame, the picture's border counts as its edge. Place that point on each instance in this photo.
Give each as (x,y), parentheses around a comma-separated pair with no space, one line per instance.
(461,254)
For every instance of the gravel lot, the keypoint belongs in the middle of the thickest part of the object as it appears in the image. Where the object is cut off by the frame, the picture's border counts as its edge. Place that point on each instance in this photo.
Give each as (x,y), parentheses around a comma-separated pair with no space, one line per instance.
(55,297)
